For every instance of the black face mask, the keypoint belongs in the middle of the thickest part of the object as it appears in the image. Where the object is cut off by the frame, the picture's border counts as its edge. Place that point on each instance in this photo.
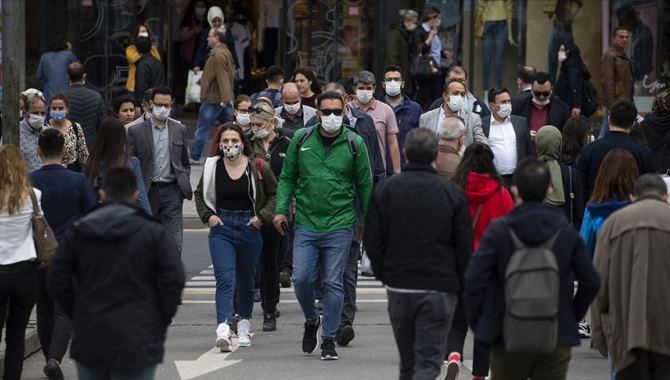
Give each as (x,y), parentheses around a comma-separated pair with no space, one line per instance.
(143,45)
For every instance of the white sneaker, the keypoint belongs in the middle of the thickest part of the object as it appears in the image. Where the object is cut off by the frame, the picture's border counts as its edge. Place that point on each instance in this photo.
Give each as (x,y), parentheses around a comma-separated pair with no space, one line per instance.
(223,337)
(244,333)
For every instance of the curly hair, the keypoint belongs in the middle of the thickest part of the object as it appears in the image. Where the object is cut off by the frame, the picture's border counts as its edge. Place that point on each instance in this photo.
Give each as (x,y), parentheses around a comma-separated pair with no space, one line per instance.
(15,186)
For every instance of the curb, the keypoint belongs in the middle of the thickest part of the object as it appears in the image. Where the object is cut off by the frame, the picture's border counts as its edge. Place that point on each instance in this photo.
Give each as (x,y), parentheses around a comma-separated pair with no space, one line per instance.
(32,342)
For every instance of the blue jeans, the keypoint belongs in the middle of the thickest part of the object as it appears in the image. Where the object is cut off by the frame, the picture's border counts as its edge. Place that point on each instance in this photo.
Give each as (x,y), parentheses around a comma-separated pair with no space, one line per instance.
(145,373)
(207,116)
(495,38)
(331,251)
(235,248)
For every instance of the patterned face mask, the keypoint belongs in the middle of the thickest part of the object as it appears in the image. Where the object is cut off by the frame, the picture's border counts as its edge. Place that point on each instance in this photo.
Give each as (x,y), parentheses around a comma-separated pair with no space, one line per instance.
(231,152)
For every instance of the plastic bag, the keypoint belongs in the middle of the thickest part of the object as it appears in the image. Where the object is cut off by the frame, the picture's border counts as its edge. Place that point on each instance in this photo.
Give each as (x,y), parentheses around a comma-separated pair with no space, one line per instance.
(192,87)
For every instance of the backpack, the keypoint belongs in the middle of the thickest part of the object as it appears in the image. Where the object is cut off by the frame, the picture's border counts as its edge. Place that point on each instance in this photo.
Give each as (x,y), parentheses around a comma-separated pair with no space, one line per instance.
(351,139)
(530,323)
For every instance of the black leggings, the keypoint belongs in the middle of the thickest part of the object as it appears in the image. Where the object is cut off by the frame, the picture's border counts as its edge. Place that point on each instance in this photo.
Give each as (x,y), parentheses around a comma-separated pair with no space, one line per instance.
(53,326)
(269,269)
(456,341)
(18,291)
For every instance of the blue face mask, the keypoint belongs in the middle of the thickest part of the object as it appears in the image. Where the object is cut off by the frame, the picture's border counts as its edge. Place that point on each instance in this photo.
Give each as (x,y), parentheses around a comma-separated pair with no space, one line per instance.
(58,115)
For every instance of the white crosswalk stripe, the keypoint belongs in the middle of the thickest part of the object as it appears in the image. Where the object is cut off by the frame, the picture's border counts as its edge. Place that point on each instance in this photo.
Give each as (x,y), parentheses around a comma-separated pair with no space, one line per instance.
(204,284)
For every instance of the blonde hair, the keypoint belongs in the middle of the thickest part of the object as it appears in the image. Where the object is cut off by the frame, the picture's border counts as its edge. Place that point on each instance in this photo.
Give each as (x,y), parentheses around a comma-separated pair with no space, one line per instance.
(15,186)
(265,111)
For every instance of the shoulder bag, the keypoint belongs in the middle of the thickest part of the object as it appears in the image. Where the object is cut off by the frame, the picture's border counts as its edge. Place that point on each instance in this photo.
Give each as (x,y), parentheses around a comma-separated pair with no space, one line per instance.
(45,240)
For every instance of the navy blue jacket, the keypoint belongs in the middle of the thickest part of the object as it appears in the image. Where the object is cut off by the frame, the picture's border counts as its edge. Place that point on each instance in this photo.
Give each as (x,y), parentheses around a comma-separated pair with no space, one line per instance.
(407,115)
(593,154)
(66,195)
(534,223)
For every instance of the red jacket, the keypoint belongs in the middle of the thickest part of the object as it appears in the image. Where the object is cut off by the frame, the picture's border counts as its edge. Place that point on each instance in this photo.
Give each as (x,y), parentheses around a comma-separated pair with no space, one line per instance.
(494,198)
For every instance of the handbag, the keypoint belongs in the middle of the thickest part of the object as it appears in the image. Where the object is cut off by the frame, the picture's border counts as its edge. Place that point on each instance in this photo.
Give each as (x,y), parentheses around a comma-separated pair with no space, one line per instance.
(424,67)
(45,240)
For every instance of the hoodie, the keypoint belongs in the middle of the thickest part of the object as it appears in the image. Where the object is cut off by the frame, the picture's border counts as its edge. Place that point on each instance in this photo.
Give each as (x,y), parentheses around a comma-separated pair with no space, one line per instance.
(494,200)
(534,223)
(594,217)
(655,128)
(215,12)
(129,283)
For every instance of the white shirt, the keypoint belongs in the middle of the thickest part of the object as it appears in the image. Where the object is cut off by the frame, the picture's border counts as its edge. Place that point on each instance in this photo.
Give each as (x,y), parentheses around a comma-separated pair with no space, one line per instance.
(440,119)
(16,234)
(502,140)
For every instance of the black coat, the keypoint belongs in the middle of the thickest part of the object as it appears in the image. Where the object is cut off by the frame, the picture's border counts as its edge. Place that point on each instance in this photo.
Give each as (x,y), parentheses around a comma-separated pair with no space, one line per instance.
(534,223)
(149,74)
(574,75)
(416,241)
(593,154)
(129,280)
(656,130)
(559,112)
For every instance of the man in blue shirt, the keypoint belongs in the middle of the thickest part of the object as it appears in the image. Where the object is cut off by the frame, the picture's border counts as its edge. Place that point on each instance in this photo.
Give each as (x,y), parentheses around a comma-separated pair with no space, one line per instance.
(407,112)
(66,195)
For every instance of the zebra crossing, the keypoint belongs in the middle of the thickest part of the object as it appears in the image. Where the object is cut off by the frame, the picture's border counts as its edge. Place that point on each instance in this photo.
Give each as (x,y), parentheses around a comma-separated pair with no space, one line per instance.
(201,288)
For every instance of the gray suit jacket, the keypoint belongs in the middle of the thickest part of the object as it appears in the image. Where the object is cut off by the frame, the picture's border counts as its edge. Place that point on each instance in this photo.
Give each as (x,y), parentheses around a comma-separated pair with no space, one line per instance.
(473,125)
(141,143)
(524,145)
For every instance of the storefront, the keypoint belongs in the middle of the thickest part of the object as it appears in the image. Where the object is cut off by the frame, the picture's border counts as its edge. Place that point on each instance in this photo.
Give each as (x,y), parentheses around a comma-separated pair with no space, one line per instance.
(340,37)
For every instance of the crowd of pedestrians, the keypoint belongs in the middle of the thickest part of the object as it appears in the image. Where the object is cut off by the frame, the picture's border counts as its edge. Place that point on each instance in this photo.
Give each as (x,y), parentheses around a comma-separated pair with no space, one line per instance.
(524,205)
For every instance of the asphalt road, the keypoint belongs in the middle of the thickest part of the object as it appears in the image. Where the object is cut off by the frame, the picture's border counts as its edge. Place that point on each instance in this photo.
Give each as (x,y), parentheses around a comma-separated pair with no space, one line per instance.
(277,355)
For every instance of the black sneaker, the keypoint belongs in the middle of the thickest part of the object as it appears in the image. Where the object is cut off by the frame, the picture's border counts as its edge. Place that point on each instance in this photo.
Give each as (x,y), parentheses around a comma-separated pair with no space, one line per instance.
(345,335)
(310,339)
(277,313)
(269,322)
(52,370)
(284,279)
(328,349)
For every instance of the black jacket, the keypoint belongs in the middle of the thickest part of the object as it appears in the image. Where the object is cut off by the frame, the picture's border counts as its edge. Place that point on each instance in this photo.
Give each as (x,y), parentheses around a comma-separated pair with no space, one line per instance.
(524,145)
(574,74)
(534,223)
(149,73)
(593,154)
(86,108)
(559,112)
(656,130)
(416,241)
(129,280)
(574,205)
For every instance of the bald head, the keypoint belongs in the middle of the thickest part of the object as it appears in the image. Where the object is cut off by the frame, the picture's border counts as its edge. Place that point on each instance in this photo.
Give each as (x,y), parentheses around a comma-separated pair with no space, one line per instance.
(290,93)
(75,71)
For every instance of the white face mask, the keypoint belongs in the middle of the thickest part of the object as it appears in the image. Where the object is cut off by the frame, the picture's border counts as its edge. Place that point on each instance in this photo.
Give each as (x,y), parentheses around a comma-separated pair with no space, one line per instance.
(541,102)
(393,88)
(562,56)
(364,96)
(331,123)
(455,103)
(142,34)
(292,108)
(261,134)
(243,119)
(35,121)
(411,27)
(161,113)
(505,110)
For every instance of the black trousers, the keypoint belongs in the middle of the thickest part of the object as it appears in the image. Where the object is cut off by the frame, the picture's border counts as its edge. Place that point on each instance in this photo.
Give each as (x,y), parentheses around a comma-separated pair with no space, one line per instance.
(350,279)
(421,323)
(54,328)
(286,251)
(269,269)
(18,290)
(456,341)
(647,366)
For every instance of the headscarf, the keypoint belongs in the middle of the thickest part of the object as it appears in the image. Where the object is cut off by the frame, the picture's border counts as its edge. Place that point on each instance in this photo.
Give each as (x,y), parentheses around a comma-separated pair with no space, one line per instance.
(214,12)
(548,141)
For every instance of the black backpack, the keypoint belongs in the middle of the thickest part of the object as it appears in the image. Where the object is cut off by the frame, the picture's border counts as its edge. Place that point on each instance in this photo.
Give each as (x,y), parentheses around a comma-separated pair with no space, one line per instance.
(530,324)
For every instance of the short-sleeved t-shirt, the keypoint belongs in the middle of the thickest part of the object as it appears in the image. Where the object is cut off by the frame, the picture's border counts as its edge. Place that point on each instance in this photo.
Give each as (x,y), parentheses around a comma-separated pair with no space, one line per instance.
(385,122)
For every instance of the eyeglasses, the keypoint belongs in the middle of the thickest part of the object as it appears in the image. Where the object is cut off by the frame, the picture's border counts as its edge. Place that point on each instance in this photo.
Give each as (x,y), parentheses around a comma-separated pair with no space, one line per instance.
(260,110)
(544,94)
(327,112)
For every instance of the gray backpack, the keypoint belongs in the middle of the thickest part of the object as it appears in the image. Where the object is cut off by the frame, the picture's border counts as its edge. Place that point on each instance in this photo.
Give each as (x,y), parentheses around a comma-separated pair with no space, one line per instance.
(532,282)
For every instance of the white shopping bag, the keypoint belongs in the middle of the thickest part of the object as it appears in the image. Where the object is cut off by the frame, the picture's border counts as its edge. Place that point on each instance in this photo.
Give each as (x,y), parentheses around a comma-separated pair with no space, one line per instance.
(192,87)
(366,265)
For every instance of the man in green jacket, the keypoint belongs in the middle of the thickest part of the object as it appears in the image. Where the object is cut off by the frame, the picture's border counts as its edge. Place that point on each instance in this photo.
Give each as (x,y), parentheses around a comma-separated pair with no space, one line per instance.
(326,171)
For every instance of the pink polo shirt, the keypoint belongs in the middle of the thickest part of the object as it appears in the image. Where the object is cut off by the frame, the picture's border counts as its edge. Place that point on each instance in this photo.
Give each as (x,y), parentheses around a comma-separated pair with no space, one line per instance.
(385,122)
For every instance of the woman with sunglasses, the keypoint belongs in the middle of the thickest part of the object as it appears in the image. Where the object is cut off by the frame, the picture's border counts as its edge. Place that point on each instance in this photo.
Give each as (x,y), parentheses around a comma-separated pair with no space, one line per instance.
(235,197)
(269,143)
